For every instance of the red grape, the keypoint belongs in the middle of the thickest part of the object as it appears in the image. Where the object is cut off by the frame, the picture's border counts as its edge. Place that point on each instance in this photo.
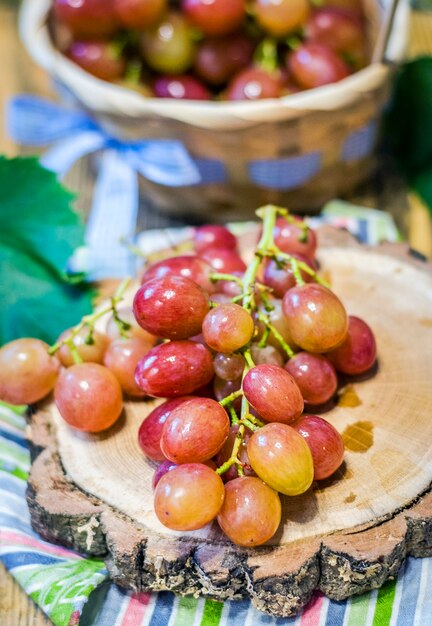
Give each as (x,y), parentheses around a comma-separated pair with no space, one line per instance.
(313,65)
(281,458)
(227,328)
(213,236)
(172,307)
(280,279)
(315,376)
(220,58)
(224,260)
(215,17)
(134,329)
(229,366)
(192,267)
(325,443)
(99,58)
(317,319)
(251,512)
(223,388)
(168,47)
(150,431)
(273,393)
(280,17)
(225,453)
(194,431)
(88,352)
(27,372)
(180,88)
(88,397)
(357,353)
(188,497)
(174,369)
(335,29)
(162,469)
(87,18)
(255,83)
(122,357)
(139,14)
(293,239)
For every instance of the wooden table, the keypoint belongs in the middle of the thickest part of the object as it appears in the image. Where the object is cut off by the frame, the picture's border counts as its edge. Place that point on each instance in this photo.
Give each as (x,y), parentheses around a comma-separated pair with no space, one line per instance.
(20,75)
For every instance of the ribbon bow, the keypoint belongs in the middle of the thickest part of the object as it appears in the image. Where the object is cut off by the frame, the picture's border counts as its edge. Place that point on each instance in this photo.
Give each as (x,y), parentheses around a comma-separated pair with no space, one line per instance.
(35,121)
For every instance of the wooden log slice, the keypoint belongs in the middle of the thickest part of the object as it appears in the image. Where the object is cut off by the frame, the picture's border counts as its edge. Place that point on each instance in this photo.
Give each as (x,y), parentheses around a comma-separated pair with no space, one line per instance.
(346,535)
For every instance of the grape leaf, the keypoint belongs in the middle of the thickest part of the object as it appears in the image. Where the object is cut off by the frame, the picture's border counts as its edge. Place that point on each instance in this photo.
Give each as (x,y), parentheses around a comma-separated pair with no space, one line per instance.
(38,233)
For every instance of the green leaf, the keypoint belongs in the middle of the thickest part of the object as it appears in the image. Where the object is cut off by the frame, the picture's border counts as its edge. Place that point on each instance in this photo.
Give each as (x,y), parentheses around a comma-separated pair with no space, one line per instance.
(38,233)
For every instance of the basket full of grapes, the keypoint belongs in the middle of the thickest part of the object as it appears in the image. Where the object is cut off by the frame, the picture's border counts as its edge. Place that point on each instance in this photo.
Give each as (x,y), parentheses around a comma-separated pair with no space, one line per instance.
(274,101)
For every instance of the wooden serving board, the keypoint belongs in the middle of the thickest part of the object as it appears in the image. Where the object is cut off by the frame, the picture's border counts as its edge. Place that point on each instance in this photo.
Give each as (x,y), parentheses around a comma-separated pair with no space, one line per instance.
(344,536)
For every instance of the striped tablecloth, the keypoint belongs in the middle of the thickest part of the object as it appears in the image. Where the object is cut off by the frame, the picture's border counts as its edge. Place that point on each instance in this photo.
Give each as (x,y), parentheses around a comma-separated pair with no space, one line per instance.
(63,582)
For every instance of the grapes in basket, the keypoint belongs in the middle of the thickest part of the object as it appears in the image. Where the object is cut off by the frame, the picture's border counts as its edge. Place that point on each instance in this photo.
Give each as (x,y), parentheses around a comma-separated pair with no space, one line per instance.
(242,356)
(213,49)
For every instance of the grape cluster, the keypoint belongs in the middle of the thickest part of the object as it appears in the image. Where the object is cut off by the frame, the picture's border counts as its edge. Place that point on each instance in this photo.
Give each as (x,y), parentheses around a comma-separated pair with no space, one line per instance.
(220,49)
(237,353)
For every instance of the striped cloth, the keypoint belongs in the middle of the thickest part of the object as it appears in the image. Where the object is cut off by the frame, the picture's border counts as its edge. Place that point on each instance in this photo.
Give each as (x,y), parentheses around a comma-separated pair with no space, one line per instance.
(62,582)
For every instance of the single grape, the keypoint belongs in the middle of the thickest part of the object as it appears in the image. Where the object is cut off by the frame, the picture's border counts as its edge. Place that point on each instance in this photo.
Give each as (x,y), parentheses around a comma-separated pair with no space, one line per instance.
(88,397)
(161,470)
(194,431)
(122,357)
(317,319)
(254,83)
(229,366)
(88,352)
(188,497)
(315,376)
(335,29)
(280,17)
(281,458)
(251,512)
(223,388)
(227,328)
(176,368)
(213,236)
(27,372)
(278,320)
(87,18)
(268,355)
(280,279)
(225,453)
(230,288)
(150,431)
(180,88)
(350,7)
(172,307)
(192,267)
(168,47)
(325,443)
(293,239)
(357,353)
(220,298)
(139,14)
(98,58)
(313,65)
(215,17)
(224,260)
(220,58)
(127,316)
(273,393)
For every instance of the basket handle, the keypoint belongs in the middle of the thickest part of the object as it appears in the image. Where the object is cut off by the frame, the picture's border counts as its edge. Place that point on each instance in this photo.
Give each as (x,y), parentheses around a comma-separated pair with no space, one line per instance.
(380,50)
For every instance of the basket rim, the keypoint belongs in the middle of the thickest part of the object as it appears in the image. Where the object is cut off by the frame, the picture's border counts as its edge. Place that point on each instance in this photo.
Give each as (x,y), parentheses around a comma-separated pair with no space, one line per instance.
(102,97)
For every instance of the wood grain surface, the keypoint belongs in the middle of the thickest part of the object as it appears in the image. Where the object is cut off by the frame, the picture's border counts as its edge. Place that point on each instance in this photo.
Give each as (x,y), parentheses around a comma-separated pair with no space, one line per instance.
(18,75)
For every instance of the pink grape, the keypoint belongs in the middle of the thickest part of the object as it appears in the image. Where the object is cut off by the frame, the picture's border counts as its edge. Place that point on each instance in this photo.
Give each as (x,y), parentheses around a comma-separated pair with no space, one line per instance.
(227,328)
(27,372)
(325,443)
(225,453)
(313,65)
(188,497)
(229,366)
(161,470)
(357,353)
(269,355)
(93,352)
(279,321)
(122,357)
(223,388)
(194,431)
(99,58)
(317,319)
(315,376)
(273,393)
(281,17)
(293,239)
(192,267)
(174,369)
(87,18)
(215,17)
(172,307)
(88,397)
(280,279)
(220,298)
(281,458)
(139,14)
(251,512)
(127,316)
(150,431)
(180,88)
(339,31)
(213,236)
(254,83)
(224,260)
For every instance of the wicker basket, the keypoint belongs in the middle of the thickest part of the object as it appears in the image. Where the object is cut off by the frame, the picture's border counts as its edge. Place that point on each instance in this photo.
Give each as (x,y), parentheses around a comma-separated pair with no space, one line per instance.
(298,151)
